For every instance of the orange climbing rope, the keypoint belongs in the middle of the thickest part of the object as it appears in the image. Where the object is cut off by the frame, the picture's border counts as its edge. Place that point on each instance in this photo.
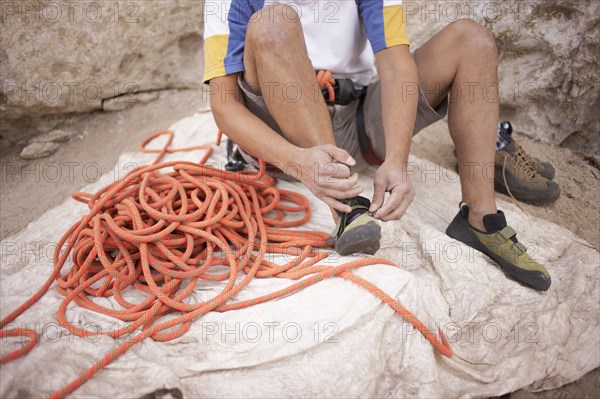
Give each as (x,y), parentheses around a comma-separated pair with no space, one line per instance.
(162,229)
(325,79)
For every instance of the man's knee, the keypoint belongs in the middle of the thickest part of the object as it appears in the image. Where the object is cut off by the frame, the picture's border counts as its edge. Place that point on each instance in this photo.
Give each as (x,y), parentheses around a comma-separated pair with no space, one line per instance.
(273,26)
(470,35)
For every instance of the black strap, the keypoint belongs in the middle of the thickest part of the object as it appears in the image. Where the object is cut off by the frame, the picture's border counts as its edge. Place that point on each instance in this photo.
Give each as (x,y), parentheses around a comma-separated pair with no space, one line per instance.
(344,92)
(235,162)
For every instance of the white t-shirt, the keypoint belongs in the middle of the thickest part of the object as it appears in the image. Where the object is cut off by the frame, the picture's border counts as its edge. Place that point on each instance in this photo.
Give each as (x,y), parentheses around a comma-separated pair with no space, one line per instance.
(341,36)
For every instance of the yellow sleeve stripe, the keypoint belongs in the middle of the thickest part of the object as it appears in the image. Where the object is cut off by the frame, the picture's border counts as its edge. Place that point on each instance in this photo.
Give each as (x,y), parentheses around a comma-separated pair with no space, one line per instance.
(394,26)
(215,49)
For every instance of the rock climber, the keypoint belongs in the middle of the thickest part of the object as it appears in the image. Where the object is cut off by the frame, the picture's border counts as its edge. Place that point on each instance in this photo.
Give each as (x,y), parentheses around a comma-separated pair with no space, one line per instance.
(261,61)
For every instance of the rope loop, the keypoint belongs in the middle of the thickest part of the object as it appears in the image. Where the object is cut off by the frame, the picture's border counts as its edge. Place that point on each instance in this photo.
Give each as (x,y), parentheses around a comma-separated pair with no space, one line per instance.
(166,228)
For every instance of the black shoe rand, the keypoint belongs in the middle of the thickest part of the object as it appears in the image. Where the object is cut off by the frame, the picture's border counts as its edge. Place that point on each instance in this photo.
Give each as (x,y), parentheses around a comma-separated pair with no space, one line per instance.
(502,246)
(356,231)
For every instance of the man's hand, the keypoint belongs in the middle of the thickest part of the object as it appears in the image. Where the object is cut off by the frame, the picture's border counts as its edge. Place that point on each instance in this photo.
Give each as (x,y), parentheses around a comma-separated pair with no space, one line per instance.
(391,177)
(399,100)
(325,171)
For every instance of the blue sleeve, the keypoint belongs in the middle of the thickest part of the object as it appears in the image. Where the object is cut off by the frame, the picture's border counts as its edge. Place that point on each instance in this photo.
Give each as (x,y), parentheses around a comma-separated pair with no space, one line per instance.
(238,18)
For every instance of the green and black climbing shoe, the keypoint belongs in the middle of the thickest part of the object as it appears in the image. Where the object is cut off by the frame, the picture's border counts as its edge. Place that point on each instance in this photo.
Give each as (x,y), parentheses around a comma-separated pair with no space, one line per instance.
(356,231)
(504,137)
(514,175)
(500,243)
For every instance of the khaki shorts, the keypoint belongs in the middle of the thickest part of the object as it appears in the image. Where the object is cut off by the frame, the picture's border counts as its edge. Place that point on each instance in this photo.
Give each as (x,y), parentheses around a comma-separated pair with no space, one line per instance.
(343,119)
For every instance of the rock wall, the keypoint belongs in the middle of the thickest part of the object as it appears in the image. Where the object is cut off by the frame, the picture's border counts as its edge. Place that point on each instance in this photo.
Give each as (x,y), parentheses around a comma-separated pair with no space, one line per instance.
(62,57)
(549,55)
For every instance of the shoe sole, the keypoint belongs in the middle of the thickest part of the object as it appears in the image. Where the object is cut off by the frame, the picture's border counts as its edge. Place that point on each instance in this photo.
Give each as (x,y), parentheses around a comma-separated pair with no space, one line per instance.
(360,239)
(460,230)
(527,196)
(542,198)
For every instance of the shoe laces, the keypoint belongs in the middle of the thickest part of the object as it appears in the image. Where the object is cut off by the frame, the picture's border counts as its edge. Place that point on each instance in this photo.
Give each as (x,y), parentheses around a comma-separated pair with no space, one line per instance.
(523,162)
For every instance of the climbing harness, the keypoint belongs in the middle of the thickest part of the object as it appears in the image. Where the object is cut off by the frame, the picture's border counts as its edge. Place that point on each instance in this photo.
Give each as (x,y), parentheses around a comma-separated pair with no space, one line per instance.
(342,92)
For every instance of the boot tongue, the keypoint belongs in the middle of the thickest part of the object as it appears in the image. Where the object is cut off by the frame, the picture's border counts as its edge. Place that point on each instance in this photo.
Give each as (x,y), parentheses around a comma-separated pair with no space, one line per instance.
(494,222)
(510,147)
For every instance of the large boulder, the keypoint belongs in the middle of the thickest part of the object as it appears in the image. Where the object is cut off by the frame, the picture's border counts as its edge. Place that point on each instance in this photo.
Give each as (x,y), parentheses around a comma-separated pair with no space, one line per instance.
(65,57)
(61,57)
(549,54)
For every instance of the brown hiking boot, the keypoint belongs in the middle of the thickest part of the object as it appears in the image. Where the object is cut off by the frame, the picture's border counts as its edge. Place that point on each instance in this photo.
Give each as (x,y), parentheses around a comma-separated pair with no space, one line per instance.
(545,169)
(515,175)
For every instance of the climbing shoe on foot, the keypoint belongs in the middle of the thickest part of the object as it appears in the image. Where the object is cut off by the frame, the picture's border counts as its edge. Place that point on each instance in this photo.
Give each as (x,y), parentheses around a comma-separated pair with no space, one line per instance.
(357,230)
(514,175)
(500,243)
(505,129)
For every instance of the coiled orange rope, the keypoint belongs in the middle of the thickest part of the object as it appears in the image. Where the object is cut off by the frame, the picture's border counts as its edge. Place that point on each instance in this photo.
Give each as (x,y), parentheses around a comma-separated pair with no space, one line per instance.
(162,233)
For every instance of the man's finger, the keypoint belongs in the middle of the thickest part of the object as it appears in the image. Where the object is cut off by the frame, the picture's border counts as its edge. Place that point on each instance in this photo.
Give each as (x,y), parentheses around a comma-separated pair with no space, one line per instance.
(406,201)
(332,183)
(339,155)
(333,203)
(341,171)
(339,184)
(351,193)
(398,213)
(390,205)
(378,195)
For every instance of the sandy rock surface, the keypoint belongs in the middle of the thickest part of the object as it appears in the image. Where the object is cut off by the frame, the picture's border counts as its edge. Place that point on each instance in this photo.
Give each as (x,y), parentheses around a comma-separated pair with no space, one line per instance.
(29,188)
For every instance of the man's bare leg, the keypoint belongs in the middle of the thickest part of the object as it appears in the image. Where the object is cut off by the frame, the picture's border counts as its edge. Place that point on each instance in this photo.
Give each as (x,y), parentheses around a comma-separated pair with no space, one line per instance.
(462,60)
(277,67)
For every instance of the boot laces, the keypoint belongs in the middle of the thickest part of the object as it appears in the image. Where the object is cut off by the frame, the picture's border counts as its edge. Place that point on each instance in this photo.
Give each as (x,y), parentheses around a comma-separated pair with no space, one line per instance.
(523,162)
